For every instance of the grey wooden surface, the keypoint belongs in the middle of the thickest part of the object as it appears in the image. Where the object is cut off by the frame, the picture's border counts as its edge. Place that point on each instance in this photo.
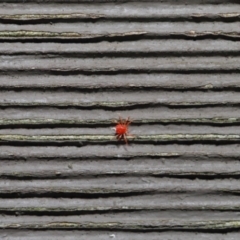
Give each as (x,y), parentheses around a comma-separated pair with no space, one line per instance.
(68,69)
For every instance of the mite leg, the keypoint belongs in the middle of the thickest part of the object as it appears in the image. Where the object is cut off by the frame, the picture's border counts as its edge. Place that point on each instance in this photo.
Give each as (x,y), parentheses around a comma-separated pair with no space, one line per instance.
(118,136)
(120,120)
(128,121)
(125,138)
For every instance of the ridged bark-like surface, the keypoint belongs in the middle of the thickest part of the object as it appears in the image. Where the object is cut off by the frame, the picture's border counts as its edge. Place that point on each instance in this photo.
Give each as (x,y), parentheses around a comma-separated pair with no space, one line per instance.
(69,69)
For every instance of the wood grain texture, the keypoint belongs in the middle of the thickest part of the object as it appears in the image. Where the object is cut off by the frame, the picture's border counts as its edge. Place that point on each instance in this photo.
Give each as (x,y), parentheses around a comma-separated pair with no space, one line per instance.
(69,69)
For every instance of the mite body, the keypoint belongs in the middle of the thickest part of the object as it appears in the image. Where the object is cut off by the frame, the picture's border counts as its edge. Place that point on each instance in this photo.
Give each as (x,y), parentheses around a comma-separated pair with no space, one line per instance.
(121,129)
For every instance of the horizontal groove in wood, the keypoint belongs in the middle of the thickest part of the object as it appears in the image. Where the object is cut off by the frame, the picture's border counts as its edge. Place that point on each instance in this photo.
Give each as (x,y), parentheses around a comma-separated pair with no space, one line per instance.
(119,105)
(74,156)
(126,53)
(144,48)
(120,87)
(115,187)
(41,206)
(115,65)
(136,129)
(170,158)
(117,99)
(81,139)
(176,168)
(43,35)
(198,152)
(122,82)
(31,36)
(16,18)
(209,226)
(40,18)
(107,122)
(41,123)
(76,114)
(211,174)
(61,211)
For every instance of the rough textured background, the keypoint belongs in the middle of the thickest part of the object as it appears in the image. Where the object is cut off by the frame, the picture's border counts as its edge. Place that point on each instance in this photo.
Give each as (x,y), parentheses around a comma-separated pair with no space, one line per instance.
(68,69)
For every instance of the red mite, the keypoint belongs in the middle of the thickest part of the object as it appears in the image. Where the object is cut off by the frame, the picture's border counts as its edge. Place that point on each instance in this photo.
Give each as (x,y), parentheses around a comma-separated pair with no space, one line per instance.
(121,129)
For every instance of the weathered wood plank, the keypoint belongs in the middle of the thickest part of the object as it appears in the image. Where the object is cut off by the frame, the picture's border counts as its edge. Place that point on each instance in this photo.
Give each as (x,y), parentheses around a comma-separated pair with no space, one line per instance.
(172,66)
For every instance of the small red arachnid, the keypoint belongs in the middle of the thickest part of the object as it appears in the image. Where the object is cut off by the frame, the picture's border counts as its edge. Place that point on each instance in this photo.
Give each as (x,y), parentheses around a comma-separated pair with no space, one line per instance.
(121,129)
